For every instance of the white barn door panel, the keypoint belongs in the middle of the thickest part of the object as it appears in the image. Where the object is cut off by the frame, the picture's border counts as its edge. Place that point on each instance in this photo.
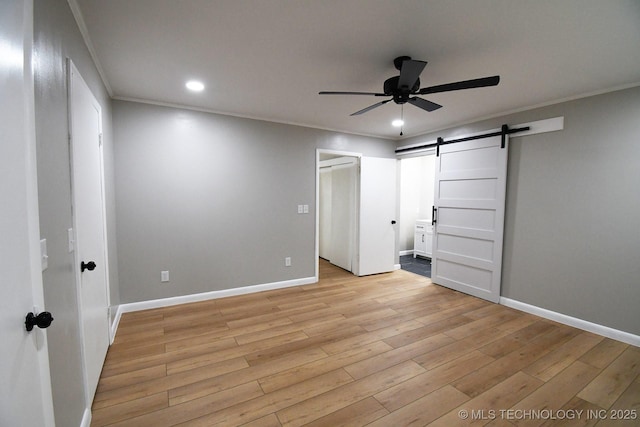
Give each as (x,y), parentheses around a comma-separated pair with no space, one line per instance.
(470,190)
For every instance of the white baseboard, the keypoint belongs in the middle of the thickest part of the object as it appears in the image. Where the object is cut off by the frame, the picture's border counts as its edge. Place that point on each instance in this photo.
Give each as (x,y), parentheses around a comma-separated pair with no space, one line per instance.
(115,323)
(573,321)
(397,267)
(185,299)
(407,252)
(86,418)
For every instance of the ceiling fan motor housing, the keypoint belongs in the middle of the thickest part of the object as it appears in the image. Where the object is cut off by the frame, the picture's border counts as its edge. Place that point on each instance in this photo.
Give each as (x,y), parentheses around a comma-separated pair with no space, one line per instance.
(400,95)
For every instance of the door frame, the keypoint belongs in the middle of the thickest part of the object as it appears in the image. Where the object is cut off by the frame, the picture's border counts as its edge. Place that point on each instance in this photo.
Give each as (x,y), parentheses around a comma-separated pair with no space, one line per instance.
(72,70)
(356,213)
(353,163)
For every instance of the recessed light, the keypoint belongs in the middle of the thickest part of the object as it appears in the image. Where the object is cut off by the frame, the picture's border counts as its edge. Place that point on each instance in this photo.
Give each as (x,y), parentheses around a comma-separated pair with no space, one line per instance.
(195,86)
(397,123)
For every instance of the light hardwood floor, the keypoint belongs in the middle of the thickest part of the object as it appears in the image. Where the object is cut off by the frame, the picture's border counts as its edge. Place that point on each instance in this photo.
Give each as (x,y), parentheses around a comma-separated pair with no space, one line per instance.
(385,350)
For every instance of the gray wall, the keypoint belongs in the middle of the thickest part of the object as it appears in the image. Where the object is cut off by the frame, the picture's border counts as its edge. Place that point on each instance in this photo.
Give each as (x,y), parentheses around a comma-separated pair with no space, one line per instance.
(213,199)
(572,241)
(57,37)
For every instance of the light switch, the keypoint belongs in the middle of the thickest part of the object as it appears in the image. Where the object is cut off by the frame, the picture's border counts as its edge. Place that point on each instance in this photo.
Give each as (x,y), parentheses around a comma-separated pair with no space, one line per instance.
(300,209)
(305,209)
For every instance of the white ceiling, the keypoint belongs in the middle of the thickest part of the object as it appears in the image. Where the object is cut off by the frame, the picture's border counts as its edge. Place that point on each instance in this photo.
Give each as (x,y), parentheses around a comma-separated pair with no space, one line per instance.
(268,59)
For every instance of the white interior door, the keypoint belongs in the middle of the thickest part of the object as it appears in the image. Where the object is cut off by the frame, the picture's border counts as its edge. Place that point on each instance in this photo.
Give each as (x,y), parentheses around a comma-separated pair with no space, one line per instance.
(377,232)
(470,190)
(88,212)
(25,386)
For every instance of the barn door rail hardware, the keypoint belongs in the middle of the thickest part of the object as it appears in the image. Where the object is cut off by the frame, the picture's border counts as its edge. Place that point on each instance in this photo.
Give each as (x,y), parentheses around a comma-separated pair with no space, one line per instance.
(503,132)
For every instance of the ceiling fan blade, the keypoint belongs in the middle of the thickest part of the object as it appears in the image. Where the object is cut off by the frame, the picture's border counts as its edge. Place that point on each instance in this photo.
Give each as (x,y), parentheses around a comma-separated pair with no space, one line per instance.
(424,104)
(351,93)
(466,84)
(371,107)
(410,72)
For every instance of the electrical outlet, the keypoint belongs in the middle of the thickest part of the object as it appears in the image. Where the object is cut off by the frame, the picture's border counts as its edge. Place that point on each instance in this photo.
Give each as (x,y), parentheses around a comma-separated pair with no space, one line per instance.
(287,261)
(164,276)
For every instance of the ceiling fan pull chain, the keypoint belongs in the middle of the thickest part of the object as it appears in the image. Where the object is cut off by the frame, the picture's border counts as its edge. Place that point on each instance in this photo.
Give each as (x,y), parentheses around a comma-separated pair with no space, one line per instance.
(402,118)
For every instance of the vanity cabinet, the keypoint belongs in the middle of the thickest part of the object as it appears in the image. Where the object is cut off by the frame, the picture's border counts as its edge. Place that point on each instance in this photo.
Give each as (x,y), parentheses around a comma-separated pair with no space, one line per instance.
(423,239)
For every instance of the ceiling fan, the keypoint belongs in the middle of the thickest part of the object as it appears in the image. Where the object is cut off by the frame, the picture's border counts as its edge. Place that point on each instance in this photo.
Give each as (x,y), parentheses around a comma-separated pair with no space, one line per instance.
(404,87)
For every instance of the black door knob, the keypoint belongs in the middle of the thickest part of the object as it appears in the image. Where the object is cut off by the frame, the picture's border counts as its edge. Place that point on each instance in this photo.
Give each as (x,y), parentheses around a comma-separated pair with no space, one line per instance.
(87,266)
(393,222)
(42,320)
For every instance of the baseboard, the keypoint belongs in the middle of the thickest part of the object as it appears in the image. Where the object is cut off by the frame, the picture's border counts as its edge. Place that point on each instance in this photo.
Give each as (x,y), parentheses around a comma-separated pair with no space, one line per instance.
(185,299)
(573,321)
(407,252)
(86,418)
(397,267)
(115,323)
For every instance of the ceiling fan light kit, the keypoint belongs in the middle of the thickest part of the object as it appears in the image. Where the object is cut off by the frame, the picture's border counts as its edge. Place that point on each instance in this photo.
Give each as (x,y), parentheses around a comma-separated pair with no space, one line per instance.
(404,88)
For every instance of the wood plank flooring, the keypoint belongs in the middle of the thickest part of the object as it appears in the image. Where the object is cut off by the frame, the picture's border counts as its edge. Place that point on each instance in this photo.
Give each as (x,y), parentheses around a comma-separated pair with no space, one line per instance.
(385,350)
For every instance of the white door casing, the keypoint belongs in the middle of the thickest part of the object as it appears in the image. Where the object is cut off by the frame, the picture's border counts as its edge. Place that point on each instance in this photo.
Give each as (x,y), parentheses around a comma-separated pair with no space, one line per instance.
(89,222)
(25,383)
(376,231)
(470,186)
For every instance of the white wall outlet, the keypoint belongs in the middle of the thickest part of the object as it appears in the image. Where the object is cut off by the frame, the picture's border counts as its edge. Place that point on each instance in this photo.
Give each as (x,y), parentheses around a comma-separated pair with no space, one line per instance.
(287,261)
(164,276)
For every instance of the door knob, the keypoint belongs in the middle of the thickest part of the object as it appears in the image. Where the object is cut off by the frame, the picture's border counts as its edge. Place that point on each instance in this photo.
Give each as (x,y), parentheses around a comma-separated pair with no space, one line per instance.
(87,266)
(42,320)
(393,222)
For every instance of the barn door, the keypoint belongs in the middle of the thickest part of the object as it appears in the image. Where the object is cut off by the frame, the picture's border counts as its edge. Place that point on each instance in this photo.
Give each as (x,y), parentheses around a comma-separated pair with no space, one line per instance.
(470,187)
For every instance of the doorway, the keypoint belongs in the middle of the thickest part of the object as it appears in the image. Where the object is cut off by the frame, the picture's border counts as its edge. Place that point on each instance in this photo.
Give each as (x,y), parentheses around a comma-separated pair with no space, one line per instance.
(417,177)
(368,201)
(338,210)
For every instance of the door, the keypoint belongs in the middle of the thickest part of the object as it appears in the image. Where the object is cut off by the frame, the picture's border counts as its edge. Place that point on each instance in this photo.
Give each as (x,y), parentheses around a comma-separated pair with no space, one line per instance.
(324,216)
(377,229)
(470,187)
(88,218)
(25,386)
(343,181)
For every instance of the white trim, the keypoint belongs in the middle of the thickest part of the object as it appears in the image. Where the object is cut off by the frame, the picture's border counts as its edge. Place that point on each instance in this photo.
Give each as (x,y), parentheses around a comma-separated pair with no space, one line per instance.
(536,127)
(244,116)
(115,323)
(185,299)
(86,418)
(573,321)
(397,267)
(407,252)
